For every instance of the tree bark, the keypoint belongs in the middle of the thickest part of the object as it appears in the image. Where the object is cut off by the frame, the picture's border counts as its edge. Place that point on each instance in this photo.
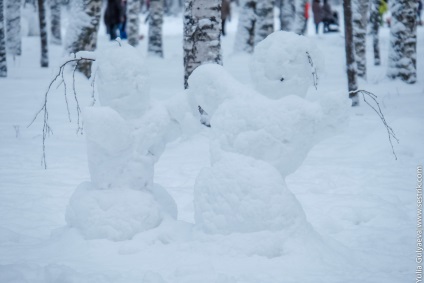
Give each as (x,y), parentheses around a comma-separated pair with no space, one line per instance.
(155,28)
(300,22)
(245,36)
(3,57)
(403,41)
(43,34)
(375,26)
(264,19)
(82,32)
(350,55)
(360,8)
(13,27)
(287,14)
(133,22)
(55,25)
(202,30)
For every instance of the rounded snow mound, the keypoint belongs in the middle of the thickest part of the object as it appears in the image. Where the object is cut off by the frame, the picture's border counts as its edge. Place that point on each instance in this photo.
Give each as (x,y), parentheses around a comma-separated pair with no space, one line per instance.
(211,85)
(281,66)
(280,132)
(123,81)
(112,214)
(240,194)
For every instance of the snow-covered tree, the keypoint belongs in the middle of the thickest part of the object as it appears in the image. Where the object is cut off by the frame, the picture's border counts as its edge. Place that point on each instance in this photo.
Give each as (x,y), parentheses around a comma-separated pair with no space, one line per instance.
(55,26)
(360,19)
(350,52)
(403,41)
(375,26)
(172,7)
(43,33)
(300,21)
(82,32)
(155,28)
(133,22)
(287,14)
(202,30)
(245,36)
(3,61)
(264,19)
(13,27)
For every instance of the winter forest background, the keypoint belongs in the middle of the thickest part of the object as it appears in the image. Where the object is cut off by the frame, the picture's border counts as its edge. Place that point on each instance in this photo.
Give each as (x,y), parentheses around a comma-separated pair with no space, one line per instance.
(180,154)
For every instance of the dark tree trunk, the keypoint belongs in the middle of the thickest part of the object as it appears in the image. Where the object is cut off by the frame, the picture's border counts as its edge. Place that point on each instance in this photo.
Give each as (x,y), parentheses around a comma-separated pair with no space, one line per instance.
(264,19)
(375,26)
(13,27)
(155,28)
(84,31)
(43,34)
(350,55)
(403,41)
(133,22)
(202,30)
(300,22)
(55,26)
(245,36)
(287,14)
(360,8)
(3,57)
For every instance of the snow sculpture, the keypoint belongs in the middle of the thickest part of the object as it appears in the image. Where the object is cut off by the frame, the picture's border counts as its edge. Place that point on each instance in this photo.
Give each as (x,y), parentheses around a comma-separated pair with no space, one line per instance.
(280,65)
(258,141)
(124,141)
(123,85)
(242,194)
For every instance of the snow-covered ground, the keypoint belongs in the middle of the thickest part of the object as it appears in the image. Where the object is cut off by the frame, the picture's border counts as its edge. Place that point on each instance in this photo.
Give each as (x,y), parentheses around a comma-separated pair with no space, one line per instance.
(359,201)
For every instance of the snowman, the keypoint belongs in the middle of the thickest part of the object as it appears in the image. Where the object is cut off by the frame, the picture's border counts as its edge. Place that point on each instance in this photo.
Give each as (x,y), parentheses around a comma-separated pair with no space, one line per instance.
(260,135)
(125,138)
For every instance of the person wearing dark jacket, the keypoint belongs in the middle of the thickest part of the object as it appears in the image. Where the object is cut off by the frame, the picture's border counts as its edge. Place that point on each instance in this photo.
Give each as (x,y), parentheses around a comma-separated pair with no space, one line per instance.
(327,16)
(317,11)
(113,17)
(225,13)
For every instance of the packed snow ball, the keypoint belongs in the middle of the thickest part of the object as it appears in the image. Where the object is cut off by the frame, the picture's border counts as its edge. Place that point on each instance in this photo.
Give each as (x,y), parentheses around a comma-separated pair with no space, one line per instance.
(283,64)
(239,194)
(123,80)
(115,215)
(211,85)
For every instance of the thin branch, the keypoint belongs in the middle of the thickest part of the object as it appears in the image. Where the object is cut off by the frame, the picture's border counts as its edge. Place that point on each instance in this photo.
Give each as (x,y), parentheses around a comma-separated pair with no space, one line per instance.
(47,130)
(76,98)
(93,89)
(391,134)
(314,71)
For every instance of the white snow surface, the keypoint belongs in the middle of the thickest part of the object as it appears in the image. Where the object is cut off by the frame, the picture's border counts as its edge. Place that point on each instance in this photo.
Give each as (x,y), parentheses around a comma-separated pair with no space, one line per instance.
(356,202)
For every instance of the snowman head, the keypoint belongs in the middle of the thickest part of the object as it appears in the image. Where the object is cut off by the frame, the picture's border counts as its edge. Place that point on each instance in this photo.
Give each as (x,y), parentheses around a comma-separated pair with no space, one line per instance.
(284,64)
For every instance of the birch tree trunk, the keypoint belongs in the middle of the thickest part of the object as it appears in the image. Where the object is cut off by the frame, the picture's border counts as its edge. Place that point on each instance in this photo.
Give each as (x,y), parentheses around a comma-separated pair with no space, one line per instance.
(133,22)
(155,28)
(43,34)
(202,30)
(375,26)
(3,57)
(403,41)
(350,55)
(264,19)
(245,36)
(287,14)
(55,26)
(360,12)
(300,21)
(13,27)
(82,32)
